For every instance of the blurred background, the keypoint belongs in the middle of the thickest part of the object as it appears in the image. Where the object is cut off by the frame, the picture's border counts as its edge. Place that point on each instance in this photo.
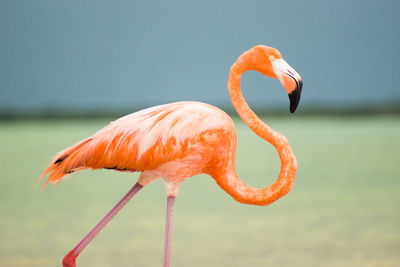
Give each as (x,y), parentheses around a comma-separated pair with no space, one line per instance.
(67,68)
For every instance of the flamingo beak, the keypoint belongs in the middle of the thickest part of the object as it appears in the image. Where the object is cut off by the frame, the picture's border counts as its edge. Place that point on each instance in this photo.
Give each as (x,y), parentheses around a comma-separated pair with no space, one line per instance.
(295,95)
(290,80)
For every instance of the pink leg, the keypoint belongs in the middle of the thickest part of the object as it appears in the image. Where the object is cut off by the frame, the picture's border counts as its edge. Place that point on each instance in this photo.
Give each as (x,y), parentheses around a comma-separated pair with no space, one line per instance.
(168,231)
(70,258)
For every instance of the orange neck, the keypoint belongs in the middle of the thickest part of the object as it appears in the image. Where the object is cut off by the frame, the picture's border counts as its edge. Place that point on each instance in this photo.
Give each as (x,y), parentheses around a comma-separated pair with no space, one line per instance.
(228,179)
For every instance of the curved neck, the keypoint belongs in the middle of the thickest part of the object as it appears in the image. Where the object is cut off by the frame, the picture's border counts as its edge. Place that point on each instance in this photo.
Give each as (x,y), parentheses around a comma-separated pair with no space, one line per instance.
(228,179)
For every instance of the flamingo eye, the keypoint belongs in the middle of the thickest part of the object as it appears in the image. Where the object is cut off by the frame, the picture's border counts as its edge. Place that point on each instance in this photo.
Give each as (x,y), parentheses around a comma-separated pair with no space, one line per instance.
(271,58)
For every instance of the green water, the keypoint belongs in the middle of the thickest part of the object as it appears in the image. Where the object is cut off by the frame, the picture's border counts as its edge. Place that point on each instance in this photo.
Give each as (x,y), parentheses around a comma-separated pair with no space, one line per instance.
(343,209)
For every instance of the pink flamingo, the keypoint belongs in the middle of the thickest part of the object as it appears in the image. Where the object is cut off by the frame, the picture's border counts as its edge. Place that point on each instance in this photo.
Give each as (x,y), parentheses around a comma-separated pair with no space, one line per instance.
(180,140)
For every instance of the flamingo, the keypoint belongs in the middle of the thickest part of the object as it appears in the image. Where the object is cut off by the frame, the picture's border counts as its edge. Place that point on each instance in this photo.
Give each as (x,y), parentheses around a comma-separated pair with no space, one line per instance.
(180,140)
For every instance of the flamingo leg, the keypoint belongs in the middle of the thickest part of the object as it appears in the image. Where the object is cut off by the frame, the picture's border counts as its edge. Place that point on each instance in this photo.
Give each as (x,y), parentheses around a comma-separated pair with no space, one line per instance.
(70,258)
(168,231)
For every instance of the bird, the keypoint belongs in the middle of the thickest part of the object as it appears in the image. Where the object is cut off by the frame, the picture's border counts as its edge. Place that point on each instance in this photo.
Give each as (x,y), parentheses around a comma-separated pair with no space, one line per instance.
(179,140)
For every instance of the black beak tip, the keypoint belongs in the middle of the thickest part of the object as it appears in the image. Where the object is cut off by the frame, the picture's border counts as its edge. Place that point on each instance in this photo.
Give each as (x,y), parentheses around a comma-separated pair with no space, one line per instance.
(294,97)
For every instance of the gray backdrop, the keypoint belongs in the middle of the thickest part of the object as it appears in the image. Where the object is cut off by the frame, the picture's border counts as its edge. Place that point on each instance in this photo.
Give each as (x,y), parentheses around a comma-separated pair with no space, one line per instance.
(128,54)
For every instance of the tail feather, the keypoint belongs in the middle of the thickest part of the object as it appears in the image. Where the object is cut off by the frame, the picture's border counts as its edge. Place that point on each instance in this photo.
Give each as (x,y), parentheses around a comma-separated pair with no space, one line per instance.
(67,161)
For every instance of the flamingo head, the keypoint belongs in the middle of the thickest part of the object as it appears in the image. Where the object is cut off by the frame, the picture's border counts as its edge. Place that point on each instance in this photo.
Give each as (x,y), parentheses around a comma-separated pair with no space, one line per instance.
(276,67)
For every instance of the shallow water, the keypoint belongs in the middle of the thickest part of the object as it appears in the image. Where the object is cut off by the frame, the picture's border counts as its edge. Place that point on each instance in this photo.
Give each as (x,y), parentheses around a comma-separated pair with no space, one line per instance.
(342,210)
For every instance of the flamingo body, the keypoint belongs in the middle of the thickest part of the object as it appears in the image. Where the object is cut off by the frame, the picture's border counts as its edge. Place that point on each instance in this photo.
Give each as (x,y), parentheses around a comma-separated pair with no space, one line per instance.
(173,142)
